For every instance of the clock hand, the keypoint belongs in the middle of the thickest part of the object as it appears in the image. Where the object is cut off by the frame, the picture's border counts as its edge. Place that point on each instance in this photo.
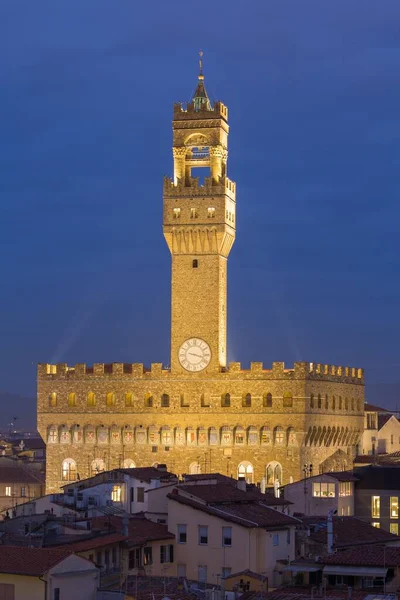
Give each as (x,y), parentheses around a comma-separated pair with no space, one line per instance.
(194,354)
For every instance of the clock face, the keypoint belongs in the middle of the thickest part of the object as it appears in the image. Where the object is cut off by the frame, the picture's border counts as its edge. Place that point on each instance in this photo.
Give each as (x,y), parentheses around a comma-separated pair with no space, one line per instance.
(194,355)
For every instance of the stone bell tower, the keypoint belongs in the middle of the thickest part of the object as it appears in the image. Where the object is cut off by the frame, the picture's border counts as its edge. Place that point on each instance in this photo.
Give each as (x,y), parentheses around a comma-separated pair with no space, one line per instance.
(199,226)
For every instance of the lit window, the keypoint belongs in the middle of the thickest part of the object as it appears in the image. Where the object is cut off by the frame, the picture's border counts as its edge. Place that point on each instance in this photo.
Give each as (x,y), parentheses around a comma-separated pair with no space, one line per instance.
(394,528)
(376,524)
(110,399)
(345,488)
(323,490)
(211,213)
(394,506)
(182,534)
(72,399)
(53,399)
(68,470)
(245,471)
(203,535)
(23,491)
(129,399)
(177,213)
(8,490)
(91,399)
(227,536)
(116,493)
(148,555)
(193,213)
(375,506)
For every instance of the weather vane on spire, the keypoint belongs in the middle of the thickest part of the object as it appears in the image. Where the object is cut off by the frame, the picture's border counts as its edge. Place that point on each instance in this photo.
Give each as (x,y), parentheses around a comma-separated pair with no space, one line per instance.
(201,62)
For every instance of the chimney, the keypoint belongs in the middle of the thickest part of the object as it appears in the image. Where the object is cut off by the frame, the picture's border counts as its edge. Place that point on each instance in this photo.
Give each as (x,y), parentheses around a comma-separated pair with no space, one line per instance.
(125,526)
(330,530)
(241,485)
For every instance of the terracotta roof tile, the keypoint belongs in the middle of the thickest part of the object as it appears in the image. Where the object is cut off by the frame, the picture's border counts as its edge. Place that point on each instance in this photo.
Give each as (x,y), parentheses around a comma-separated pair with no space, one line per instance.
(223,492)
(140,530)
(30,561)
(373,408)
(248,514)
(347,531)
(365,556)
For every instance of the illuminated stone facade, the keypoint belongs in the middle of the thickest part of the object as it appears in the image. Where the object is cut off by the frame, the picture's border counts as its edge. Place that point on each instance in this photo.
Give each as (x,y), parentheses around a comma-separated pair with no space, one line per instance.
(200,414)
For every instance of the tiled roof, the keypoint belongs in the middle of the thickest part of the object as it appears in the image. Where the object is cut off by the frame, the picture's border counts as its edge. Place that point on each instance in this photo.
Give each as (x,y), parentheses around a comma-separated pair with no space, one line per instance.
(383,419)
(247,514)
(17,474)
(147,473)
(223,492)
(347,531)
(380,459)
(342,475)
(373,408)
(140,530)
(30,561)
(365,556)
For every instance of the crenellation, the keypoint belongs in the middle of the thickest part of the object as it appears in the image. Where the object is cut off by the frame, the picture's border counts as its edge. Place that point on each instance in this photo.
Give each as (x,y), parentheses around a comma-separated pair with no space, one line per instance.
(98,369)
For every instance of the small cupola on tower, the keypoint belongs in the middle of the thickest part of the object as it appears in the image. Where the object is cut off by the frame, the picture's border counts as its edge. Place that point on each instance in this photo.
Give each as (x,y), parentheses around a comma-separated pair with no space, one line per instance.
(200,98)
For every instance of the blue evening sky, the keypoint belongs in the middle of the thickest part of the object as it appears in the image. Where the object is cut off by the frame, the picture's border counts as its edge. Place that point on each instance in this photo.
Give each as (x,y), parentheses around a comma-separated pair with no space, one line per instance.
(86,95)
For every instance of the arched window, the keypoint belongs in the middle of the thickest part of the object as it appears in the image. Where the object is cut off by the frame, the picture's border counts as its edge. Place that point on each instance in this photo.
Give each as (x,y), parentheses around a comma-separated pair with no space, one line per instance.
(319,401)
(194,468)
(128,399)
(340,402)
(53,399)
(129,464)
(226,400)
(326,401)
(267,400)
(346,404)
(72,399)
(165,400)
(148,401)
(246,401)
(278,474)
(110,399)
(287,400)
(333,403)
(274,473)
(246,471)
(279,436)
(91,399)
(68,470)
(312,401)
(97,466)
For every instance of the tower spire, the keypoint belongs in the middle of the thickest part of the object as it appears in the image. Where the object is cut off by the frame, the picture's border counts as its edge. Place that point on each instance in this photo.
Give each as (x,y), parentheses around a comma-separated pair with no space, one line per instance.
(200,97)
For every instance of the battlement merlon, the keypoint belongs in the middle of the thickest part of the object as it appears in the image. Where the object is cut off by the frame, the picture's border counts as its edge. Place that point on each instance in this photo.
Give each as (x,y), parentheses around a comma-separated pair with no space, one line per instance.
(191,188)
(188,112)
(300,370)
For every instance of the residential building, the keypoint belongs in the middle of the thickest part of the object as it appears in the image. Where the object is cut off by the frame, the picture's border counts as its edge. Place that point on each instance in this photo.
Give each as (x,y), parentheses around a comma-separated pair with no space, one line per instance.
(377,494)
(18,484)
(46,573)
(221,530)
(319,494)
(381,431)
